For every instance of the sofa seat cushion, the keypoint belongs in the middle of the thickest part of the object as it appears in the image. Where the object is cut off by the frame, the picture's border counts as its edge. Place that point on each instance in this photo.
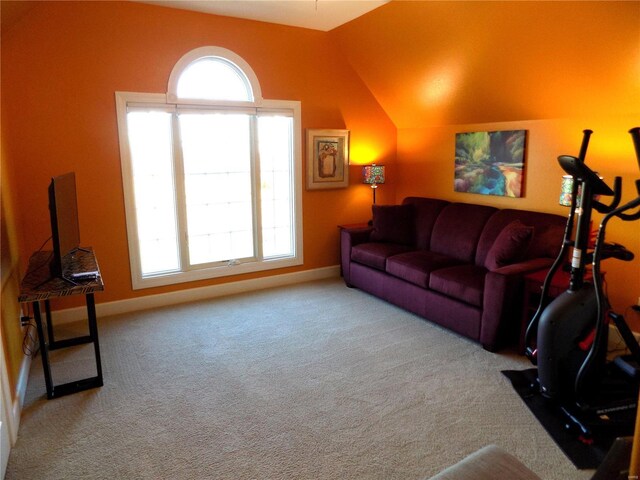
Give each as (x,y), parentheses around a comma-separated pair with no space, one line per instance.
(464,282)
(416,267)
(375,254)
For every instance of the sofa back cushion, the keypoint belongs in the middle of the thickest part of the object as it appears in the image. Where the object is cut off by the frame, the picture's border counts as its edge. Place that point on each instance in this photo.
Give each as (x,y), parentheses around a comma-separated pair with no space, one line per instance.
(548,231)
(457,229)
(426,211)
(393,224)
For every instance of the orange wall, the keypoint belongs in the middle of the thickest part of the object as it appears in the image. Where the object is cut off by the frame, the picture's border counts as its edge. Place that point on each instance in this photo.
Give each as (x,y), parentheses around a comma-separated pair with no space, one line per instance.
(425,160)
(578,68)
(457,62)
(62,63)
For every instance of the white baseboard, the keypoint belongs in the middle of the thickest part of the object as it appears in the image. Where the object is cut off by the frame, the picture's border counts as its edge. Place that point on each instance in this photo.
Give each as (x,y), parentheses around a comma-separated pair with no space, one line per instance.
(195,294)
(21,392)
(6,421)
(616,344)
(11,409)
(21,386)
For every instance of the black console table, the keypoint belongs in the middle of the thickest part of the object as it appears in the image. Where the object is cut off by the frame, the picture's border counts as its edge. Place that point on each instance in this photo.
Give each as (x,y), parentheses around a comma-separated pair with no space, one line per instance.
(39,286)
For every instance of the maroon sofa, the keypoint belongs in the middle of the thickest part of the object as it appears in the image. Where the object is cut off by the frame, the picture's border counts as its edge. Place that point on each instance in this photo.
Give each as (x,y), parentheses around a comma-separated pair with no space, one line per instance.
(456,264)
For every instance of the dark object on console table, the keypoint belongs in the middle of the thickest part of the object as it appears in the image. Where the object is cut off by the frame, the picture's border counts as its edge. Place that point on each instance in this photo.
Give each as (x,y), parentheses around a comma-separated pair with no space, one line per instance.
(456,264)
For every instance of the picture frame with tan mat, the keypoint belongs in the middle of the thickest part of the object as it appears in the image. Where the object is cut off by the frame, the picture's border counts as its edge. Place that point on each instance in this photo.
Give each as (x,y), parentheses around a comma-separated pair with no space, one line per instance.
(327,159)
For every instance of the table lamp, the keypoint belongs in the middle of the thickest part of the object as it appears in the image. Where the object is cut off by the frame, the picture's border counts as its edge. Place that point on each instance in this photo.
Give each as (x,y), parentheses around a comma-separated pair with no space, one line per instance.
(373,175)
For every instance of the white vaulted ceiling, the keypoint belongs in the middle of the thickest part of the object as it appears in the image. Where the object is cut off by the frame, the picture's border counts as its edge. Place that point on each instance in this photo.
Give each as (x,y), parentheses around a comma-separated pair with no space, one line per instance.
(322,15)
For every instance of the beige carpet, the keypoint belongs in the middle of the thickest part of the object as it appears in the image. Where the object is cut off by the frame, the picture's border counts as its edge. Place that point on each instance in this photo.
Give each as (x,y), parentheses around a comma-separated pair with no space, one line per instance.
(314,381)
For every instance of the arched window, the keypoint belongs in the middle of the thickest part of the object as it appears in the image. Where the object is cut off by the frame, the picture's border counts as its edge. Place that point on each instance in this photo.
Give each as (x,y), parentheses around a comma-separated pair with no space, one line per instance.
(213,78)
(211,174)
(213,74)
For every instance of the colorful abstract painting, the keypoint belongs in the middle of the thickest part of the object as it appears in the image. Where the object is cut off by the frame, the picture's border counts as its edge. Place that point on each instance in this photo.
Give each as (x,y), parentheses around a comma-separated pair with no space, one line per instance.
(490,163)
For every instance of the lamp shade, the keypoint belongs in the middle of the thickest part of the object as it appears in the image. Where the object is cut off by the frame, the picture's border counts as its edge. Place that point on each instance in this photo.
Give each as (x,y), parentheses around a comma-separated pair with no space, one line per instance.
(373,174)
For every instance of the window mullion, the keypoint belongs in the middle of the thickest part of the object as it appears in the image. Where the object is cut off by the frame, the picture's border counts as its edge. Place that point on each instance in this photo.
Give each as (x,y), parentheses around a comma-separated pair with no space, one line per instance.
(257,189)
(181,202)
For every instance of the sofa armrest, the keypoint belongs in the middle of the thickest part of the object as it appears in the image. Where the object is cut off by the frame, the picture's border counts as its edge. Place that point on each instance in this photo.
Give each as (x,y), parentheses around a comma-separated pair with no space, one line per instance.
(488,463)
(350,237)
(502,301)
(526,267)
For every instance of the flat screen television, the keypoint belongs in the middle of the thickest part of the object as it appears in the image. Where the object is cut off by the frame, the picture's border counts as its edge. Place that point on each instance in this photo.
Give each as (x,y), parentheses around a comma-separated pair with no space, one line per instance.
(65,230)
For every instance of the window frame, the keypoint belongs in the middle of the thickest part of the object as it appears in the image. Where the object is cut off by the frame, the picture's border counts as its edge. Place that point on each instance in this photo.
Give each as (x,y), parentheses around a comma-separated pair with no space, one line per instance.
(169,102)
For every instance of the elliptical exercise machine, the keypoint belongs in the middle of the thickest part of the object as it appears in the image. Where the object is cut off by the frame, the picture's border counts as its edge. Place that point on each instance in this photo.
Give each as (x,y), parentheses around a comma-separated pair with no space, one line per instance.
(571,332)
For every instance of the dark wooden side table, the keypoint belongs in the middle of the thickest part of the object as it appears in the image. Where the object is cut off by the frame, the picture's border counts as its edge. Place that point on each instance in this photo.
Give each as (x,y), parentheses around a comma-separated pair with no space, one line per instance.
(39,286)
(533,290)
(350,226)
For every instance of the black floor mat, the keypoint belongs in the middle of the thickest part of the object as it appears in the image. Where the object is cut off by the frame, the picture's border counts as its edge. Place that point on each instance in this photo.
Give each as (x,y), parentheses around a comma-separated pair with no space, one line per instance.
(585,453)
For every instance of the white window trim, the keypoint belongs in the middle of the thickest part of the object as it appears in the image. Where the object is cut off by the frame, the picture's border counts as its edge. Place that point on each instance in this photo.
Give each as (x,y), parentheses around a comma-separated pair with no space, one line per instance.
(154,99)
(218,52)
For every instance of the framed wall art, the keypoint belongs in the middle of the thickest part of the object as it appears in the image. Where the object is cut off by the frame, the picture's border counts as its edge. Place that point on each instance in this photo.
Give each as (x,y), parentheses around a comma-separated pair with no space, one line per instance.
(490,163)
(327,159)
